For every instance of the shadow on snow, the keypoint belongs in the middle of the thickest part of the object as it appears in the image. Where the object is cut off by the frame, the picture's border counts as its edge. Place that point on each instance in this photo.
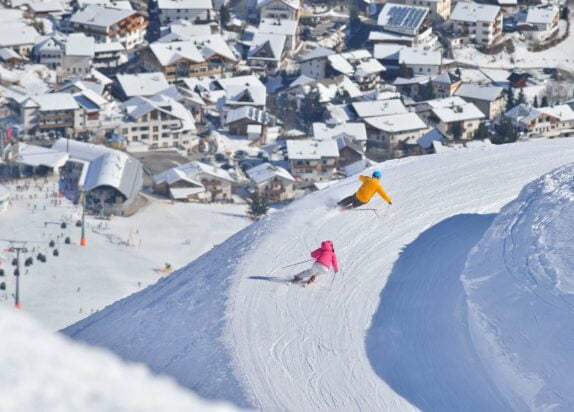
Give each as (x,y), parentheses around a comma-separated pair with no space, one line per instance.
(419,341)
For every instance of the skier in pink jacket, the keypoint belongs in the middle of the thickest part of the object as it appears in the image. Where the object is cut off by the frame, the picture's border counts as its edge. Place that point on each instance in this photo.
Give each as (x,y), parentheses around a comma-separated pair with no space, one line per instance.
(325,257)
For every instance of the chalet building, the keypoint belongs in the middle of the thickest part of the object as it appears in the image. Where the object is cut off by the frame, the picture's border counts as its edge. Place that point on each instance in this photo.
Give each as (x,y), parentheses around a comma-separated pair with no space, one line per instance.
(548,121)
(186,10)
(158,122)
(491,100)
(312,160)
(273,182)
(110,25)
(452,115)
(445,84)
(195,181)
(314,63)
(388,132)
(279,9)
(202,56)
(238,121)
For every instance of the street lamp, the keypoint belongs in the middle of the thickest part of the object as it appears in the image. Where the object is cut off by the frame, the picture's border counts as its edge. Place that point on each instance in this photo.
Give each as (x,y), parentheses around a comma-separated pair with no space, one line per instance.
(17,249)
(83,236)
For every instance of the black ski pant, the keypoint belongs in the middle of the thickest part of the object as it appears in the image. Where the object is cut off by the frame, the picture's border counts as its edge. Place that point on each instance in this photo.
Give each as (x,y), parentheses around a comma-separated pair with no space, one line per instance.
(350,201)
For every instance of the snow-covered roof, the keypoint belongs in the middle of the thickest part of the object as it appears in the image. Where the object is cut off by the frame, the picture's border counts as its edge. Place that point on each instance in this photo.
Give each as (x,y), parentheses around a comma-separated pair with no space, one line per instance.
(354,130)
(11,35)
(7,54)
(473,12)
(311,149)
(100,16)
(184,28)
(278,26)
(78,44)
(544,14)
(267,171)
(247,112)
(108,47)
(379,108)
(139,106)
(414,56)
(445,102)
(400,16)
(339,63)
(355,63)
(427,139)
(397,123)
(53,101)
(106,166)
(294,4)
(387,51)
(478,92)
(46,6)
(446,77)
(32,155)
(458,112)
(246,90)
(316,53)
(169,53)
(213,44)
(274,42)
(191,171)
(301,81)
(185,4)
(142,84)
(562,112)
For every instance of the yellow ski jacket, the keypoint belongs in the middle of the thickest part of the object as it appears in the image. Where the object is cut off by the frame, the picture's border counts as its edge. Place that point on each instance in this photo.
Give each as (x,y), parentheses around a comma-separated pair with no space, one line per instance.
(368,189)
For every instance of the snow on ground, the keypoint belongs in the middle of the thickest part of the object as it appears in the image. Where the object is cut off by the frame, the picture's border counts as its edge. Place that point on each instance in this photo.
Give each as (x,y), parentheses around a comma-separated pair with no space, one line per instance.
(229,328)
(520,287)
(33,79)
(43,371)
(82,280)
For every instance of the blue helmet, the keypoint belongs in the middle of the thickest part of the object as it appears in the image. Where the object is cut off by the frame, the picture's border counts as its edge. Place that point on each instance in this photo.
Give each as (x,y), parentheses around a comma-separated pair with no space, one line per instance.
(377,174)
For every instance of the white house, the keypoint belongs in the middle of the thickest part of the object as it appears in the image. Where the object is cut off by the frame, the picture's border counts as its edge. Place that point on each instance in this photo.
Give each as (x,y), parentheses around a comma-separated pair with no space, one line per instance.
(273,182)
(287,28)
(427,62)
(188,10)
(543,19)
(313,160)
(439,9)
(389,131)
(374,108)
(549,121)
(314,63)
(479,22)
(141,84)
(490,100)
(279,9)
(195,181)
(158,121)
(450,114)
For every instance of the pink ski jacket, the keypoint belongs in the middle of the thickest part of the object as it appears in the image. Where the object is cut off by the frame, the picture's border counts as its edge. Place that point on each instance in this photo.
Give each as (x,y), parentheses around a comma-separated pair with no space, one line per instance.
(325,255)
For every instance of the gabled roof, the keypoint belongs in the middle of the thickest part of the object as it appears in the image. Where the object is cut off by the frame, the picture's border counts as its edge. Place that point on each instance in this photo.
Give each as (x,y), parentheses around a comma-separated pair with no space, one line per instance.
(354,130)
(249,113)
(402,17)
(397,123)
(11,36)
(446,77)
(311,149)
(316,53)
(473,12)
(294,4)
(301,81)
(379,108)
(190,172)
(78,44)
(7,54)
(458,113)
(169,53)
(138,106)
(478,92)
(427,139)
(100,16)
(185,4)
(213,45)
(142,84)
(543,14)
(414,56)
(266,171)
(278,26)
(267,46)
(55,101)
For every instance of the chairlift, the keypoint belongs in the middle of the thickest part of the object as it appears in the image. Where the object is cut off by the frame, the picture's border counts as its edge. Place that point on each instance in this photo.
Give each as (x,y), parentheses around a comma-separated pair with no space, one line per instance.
(52,243)
(3,286)
(2,272)
(56,253)
(63,225)
(29,261)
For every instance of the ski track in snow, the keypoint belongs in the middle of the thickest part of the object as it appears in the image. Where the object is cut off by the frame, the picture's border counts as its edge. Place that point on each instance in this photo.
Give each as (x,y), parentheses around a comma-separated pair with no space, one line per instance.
(309,351)
(277,347)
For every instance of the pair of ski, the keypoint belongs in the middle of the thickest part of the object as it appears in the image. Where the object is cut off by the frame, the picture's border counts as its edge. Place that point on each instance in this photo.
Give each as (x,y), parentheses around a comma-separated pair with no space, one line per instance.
(350,209)
(301,282)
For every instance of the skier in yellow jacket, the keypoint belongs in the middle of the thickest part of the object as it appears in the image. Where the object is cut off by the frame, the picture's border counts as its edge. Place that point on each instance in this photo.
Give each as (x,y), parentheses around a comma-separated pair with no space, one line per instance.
(367,190)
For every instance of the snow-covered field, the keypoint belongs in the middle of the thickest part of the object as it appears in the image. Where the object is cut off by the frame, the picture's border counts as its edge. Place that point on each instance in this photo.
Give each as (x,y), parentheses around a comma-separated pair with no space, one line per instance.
(120,256)
(390,333)
(45,372)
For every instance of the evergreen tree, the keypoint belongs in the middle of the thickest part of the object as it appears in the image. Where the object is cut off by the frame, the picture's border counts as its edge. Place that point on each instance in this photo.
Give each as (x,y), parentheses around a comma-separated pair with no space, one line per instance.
(535,103)
(312,109)
(457,72)
(521,97)
(456,130)
(404,71)
(427,92)
(354,20)
(258,205)
(505,132)
(482,132)
(510,102)
(224,15)
(544,102)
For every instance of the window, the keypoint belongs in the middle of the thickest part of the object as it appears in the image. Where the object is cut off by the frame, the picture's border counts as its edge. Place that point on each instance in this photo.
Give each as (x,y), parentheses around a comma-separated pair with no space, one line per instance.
(155,128)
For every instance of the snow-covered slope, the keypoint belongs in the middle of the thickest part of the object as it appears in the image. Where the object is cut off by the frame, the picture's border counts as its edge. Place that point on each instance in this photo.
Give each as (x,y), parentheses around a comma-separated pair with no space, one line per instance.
(42,371)
(228,327)
(520,285)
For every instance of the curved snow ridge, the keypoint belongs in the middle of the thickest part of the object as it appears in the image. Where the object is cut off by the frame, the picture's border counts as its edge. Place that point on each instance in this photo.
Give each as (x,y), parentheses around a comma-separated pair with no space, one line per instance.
(519,282)
(44,371)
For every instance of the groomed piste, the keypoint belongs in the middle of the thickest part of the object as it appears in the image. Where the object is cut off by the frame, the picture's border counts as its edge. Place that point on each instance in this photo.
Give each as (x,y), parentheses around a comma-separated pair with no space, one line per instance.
(393,332)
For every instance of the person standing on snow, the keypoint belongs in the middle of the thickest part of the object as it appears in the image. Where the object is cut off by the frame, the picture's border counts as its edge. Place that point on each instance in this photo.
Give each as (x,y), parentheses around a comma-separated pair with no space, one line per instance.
(324,258)
(367,190)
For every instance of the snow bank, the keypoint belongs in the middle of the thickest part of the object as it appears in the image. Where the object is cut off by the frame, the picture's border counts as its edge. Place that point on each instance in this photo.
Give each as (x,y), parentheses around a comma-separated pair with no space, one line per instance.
(42,371)
(519,282)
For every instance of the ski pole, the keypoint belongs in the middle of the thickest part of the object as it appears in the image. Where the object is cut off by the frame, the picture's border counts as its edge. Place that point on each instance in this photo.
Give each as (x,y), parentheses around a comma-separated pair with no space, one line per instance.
(298,263)
(332,281)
